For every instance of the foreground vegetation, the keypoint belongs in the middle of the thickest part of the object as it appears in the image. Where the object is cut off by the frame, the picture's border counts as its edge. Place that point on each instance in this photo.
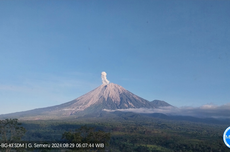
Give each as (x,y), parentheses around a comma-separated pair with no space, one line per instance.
(132,132)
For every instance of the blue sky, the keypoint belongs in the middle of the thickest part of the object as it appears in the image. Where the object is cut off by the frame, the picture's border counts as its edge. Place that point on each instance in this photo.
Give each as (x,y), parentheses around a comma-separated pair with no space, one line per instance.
(54,51)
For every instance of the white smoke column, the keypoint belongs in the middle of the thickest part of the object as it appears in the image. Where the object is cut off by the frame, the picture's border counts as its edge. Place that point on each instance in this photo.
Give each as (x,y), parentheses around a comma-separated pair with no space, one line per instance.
(103,77)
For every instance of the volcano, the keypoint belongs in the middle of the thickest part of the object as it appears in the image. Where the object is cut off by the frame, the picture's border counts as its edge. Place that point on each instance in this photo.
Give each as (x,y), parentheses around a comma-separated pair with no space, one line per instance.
(107,96)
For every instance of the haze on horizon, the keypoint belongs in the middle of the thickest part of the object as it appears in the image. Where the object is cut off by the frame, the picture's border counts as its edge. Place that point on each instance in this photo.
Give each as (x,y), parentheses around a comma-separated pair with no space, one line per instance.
(54,51)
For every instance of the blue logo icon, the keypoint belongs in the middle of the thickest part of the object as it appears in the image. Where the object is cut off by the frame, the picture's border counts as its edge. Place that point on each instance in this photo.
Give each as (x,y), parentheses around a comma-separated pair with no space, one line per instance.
(226,137)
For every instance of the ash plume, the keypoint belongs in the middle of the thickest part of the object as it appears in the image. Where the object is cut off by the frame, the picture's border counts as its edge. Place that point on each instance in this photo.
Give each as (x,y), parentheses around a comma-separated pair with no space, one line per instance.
(104,79)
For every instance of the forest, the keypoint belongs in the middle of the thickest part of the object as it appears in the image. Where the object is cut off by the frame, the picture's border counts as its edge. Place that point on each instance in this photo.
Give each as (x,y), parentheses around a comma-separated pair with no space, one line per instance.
(128,132)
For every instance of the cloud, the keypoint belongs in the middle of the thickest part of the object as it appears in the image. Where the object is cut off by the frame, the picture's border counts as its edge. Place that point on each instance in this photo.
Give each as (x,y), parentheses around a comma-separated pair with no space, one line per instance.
(208,110)
(104,79)
(47,83)
(14,88)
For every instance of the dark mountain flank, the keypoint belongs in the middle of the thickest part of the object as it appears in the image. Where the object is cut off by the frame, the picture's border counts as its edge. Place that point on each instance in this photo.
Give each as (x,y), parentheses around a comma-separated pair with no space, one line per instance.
(159,103)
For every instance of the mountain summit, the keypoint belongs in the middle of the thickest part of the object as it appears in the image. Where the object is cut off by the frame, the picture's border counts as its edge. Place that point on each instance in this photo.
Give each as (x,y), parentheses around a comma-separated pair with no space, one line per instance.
(110,96)
(107,96)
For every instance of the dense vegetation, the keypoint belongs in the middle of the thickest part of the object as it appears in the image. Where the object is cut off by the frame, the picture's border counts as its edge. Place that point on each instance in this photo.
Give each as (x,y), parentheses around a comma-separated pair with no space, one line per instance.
(133,132)
(10,131)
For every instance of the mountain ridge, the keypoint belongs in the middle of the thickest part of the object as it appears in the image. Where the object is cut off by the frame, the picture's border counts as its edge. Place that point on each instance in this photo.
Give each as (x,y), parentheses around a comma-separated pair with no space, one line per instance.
(106,96)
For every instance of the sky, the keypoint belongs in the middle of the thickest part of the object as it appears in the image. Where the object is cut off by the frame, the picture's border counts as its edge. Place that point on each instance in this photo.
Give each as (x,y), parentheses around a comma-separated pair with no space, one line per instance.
(52,52)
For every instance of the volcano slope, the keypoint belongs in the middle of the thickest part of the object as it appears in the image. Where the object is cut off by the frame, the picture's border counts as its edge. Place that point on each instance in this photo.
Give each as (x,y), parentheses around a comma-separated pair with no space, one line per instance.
(106,96)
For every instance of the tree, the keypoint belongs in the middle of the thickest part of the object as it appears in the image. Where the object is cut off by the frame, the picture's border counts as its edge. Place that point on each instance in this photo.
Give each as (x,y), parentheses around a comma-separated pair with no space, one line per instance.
(142,148)
(87,134)
(10,131)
